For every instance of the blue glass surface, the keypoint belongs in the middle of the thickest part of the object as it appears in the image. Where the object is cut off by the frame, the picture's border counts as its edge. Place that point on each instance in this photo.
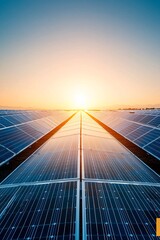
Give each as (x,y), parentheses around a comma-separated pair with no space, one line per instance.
(147,119)
(148,137)
(39,212)
(155,122)
(154,148)
(5,122)
(27,128)
(116,166)
(5,154)
(124,122)
(129,129)
(121,211)
(12,119)
(137,133)
(15,139)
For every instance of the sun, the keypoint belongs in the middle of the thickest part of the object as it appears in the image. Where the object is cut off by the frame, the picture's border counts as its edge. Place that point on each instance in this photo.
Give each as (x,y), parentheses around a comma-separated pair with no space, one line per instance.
(80,100)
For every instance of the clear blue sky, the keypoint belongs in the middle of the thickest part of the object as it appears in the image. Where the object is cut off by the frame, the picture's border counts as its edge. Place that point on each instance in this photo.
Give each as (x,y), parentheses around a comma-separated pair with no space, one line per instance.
(109,49)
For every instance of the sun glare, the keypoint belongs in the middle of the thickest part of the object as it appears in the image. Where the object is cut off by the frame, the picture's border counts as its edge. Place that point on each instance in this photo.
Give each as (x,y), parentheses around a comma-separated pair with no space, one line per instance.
(80,101)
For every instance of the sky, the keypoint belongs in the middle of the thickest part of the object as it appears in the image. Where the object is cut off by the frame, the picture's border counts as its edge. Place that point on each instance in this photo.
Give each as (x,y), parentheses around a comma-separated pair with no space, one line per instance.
(73,54)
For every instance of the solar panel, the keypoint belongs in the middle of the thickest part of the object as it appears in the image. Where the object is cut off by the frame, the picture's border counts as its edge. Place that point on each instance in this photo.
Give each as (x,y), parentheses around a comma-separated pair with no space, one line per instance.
(15,139)
(116,165)
(94,132)
(116,211)
(155,122)
(49,122)
(105,158)
(5,122)
(5,197)
(141,134)
(56,159)
(147,138)
(67,132)
(23,117)
(41,126)
(121,124)
(1,126)
(130,128)
(39,211)
(147,119)
(138,133)
(27,128)
(19,117)
(46,166)
(5,154)
(29,116)
(112,192)
(101,143)
(154,147)
(139,118)
(12,119)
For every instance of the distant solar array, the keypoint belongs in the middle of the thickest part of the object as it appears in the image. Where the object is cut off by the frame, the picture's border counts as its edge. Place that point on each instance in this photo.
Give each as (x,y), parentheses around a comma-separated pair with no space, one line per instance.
(19,129)
(81,175)
(140,126)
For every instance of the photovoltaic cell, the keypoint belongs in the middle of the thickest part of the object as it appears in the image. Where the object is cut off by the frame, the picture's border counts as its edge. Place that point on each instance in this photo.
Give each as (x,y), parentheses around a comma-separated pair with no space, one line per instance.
(139,118)
(22,118)
(107,144)
(12,119)
(30,130)
(148,137)
(15,139)
(67,133)
(49,122)
(56,159)
(130,128)
(5,122)
(154,148)
(139,132)
(121,211)
(41,126)
(121,125)
(4,154)
(147,119)
(39,212)
(116,166)
(6,199)
(46,168)
(1,126)
(94,132)
(155,122)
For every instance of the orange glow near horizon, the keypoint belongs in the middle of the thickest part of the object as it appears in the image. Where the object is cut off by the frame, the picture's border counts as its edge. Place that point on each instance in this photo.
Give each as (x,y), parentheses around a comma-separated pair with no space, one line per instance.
(76,59)
(51,81)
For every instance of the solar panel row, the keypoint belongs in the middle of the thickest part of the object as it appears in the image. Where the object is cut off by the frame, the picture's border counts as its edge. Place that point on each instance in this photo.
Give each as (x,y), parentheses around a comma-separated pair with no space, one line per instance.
(23,117)
(120,195)
(24,129)
(142,127)
(40,199)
